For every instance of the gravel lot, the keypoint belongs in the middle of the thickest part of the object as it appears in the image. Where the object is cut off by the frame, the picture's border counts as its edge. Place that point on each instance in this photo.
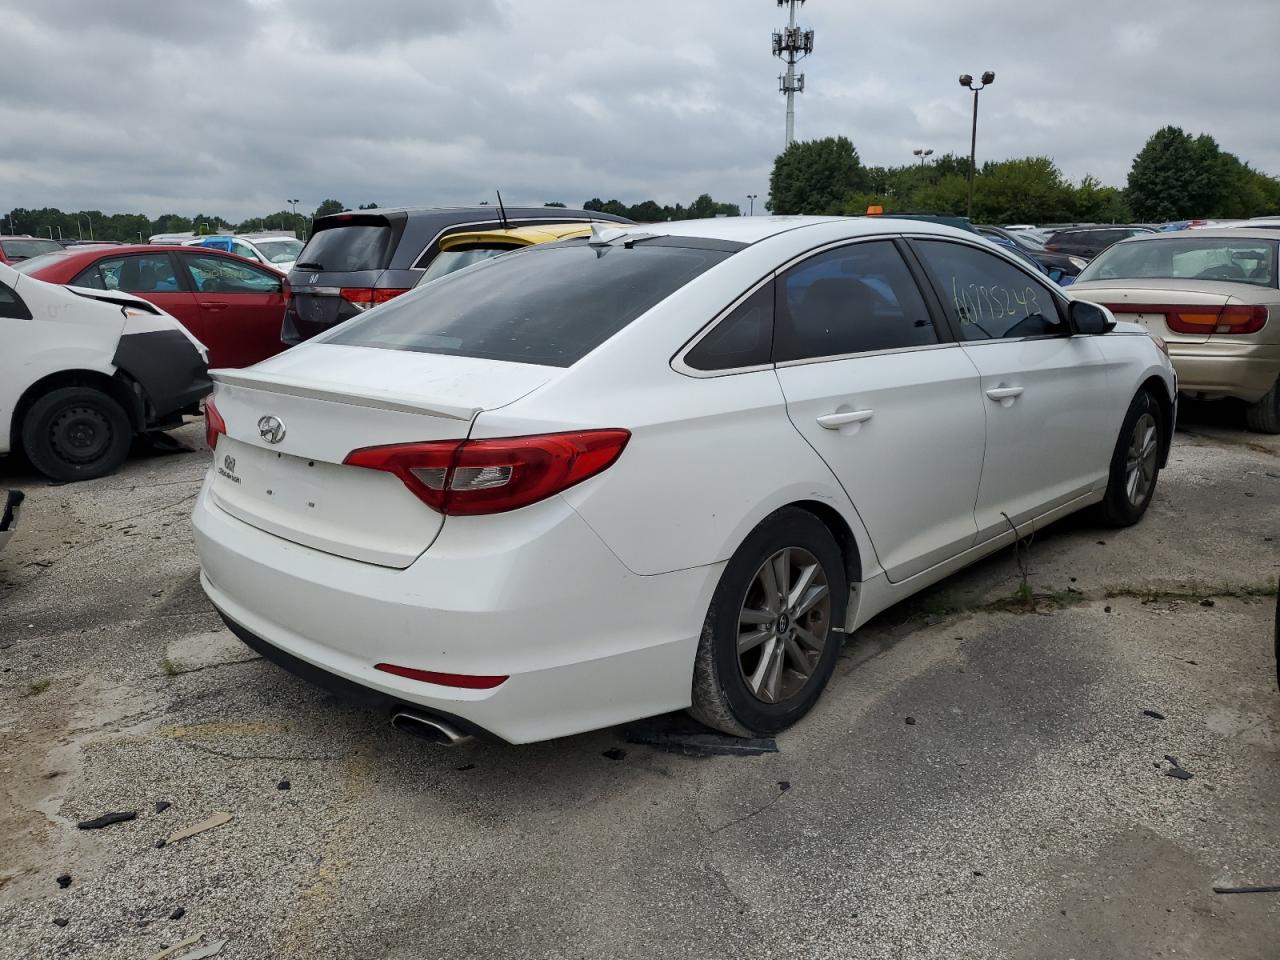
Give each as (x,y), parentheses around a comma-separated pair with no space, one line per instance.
(1023,811)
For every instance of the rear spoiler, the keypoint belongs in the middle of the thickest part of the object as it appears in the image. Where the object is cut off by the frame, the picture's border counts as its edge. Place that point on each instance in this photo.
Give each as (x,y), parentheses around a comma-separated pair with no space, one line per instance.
(342,393)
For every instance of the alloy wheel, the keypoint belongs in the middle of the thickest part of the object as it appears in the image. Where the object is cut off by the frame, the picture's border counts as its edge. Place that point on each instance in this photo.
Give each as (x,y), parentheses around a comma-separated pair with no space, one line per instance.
(783,624)
(1140,461)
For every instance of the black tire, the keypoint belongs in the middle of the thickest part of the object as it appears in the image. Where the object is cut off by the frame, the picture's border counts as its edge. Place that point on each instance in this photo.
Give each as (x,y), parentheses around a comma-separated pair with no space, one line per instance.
(1118,507)
(722,697)
(1264,416)
(76,433)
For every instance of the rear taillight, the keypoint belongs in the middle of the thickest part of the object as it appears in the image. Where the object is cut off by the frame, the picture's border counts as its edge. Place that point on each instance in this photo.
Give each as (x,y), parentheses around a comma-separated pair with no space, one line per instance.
(1202,319)
(362,298)
(469,477)
(286,291)
(214,425)
(1052,247)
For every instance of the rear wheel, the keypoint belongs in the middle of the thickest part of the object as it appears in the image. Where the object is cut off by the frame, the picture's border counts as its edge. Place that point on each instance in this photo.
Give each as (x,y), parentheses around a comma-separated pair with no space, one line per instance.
(772,635)
(1264,416)
(76,433)
(1135,464)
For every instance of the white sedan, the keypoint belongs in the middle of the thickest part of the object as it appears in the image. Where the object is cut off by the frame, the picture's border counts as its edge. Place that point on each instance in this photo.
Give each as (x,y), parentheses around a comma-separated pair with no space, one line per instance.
(667,466)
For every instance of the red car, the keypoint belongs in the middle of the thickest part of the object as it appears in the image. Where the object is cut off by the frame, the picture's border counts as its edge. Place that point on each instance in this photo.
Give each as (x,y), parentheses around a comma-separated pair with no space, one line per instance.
(232,305)
(15,249)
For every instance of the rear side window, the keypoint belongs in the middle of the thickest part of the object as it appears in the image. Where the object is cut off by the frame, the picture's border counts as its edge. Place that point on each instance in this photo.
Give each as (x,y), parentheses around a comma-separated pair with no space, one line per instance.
(348,248)
(551,304)
(742,339)
(987,297)
(852,299)
(11,305)
(148,273)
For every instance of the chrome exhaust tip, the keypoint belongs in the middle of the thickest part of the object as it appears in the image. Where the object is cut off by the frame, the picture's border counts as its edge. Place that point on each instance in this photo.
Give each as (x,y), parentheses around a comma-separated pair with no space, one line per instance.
(429,728)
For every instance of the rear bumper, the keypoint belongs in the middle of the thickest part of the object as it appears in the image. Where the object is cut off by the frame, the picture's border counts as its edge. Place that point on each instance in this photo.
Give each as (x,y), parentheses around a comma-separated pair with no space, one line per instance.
(533,595)
(1223,369)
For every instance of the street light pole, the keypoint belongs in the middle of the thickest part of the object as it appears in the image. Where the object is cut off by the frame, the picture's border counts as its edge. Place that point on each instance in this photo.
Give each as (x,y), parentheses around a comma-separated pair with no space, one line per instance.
(751,200)
(988,78)
(922,153)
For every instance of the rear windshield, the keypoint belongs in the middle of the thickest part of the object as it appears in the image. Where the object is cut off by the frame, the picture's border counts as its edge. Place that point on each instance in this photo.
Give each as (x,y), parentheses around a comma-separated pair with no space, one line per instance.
(447,261)
(348,248)
(279,251)
(21,249)
(1207,258)
(548,304)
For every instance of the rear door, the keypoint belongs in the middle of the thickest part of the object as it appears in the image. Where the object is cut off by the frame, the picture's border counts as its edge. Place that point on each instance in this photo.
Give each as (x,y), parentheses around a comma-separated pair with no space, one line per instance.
(151,276)
(1051,416)
(875,386)
(240,306)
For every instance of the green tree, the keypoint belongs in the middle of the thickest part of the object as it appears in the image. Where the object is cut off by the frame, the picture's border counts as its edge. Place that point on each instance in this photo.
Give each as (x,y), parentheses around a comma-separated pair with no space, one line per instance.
(1175,177)
(1029,188)
(328,207)
(366,206)
(554,203)
(814,176)
(1093,202)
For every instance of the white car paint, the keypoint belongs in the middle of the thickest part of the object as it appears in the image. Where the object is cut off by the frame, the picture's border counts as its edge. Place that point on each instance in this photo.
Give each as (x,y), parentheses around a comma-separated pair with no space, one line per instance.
(592,601)
(249,247)
(70,329)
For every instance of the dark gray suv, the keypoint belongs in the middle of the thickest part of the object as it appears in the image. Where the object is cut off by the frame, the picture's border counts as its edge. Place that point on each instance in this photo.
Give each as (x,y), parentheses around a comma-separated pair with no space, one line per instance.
(359,259)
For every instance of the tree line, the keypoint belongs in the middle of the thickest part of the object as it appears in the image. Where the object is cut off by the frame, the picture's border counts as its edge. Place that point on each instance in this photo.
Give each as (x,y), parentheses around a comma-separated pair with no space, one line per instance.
(1175,176)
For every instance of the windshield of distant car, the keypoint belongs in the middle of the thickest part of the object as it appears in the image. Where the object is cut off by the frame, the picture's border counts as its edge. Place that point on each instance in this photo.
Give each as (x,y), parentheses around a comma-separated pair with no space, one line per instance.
(1178,258)
(447,261)
(40,262)
(284,250)
(551,305)
(22,248)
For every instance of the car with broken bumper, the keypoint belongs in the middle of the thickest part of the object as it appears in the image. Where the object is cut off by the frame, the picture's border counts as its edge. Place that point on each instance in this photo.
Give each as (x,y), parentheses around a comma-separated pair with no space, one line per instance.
(663,467)
(83,371)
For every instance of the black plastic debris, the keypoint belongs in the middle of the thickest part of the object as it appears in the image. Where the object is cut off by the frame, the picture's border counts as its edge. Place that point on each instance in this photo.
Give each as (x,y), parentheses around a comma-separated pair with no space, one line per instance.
(614,753)
(684,736)
(159,843)
(911,721)
(60,921)
(1266,888)
(283,785)
(1206,602)
(1178,773)
(1106,609)
(1153,714)
(784,785)
(64,881)
(178,914)
(465,766)
(107,819)
(162,806)
(1172,759)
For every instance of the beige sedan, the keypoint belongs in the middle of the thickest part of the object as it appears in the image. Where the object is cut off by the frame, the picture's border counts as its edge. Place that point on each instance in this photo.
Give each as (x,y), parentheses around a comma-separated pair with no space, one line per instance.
(1212,296)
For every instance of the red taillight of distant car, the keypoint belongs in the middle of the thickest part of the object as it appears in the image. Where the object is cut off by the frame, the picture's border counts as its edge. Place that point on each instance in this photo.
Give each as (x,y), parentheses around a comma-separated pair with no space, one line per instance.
(214,425)
(1238,319)
(471,477)
(366,297)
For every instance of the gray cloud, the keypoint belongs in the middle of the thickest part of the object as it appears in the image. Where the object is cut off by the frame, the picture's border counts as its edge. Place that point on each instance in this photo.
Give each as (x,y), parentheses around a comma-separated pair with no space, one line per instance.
(231,107)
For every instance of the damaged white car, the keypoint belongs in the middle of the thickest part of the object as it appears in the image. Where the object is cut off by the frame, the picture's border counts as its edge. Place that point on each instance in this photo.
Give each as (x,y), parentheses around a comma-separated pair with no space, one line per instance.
(83,371)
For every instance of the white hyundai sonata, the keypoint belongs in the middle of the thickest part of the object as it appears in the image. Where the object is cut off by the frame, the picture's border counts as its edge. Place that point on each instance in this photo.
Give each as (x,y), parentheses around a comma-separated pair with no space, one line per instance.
(667,466)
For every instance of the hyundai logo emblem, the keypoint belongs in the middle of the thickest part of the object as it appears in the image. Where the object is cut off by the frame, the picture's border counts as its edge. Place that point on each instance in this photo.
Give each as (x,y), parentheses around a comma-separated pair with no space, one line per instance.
(271,429)
(315,278)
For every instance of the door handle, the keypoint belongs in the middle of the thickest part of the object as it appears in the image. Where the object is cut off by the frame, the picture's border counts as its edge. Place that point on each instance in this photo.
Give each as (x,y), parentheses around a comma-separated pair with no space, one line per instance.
(1004,393)
(834,421)
(213,306)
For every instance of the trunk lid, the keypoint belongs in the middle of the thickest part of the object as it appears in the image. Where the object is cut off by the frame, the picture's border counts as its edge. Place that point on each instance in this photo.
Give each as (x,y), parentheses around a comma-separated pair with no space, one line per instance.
(1141,302)
(326,401)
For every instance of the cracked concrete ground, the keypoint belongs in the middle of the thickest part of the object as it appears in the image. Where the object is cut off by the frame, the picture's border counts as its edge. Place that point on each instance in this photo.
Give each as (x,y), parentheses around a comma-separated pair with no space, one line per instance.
(1026,813)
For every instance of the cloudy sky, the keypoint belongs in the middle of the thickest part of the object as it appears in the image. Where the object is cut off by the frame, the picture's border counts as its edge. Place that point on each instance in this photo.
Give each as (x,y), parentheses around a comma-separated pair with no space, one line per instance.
(232,106)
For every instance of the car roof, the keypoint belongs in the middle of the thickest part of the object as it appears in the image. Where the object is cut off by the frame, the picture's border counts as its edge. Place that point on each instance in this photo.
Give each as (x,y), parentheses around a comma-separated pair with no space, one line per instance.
(753,229)
(541,233)
(1229,233)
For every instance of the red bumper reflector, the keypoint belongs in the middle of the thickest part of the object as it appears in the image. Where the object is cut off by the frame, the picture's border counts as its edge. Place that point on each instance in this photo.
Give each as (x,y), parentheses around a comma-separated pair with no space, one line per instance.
(214,425)
(462,680)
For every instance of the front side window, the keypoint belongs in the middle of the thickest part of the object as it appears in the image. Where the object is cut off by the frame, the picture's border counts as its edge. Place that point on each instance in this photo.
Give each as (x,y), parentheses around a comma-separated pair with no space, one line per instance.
(852,299)
(987,297)
(1188,258)
(147,273)
(742,339)
(11,305)
(551,305)
(222,275)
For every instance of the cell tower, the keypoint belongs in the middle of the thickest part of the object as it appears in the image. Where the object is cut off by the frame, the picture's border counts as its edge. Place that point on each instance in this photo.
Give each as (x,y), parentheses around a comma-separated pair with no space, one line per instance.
(791,46)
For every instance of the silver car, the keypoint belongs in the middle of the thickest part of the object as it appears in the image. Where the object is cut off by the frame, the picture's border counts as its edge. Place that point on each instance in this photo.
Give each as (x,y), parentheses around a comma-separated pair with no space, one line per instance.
(1213,297)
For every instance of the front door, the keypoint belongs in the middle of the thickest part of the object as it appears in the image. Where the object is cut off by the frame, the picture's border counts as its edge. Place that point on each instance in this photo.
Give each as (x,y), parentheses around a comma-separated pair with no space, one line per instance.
(1050,422)
(893,408)
(241,308)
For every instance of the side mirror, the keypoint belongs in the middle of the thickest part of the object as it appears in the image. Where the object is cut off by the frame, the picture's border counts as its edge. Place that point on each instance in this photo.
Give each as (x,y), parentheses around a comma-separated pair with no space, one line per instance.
(1089,318)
